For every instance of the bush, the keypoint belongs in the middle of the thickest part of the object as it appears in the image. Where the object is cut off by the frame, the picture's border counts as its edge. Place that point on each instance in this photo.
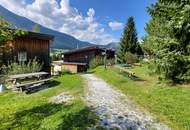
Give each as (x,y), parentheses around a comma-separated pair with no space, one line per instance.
(131,58)
(63,72)
(97,61)
(152,68)
(56,54)
(21,68)
(2,79)
(110,61)
(35,66)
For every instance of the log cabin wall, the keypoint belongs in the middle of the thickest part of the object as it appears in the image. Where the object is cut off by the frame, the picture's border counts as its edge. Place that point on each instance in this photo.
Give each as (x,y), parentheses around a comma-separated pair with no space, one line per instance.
(35,48)
(81,57)
(85,56)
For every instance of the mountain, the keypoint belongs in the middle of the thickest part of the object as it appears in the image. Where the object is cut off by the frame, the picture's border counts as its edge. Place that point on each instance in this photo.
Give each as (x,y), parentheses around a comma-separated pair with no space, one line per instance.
(62,40)
(112,45)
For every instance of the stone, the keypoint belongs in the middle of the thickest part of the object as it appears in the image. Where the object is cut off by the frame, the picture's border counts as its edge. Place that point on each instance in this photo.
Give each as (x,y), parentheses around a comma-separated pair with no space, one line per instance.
(61,98)
(115,110)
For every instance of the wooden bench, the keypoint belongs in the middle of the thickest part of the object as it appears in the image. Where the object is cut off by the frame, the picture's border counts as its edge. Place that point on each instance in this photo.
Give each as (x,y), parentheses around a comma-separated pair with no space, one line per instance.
(23,76)
(137,64)
(39,76)
(130,73)
(31,85)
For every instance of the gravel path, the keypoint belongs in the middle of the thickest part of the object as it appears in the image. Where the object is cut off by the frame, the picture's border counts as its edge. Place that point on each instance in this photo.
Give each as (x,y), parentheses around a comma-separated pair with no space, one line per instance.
(115,110)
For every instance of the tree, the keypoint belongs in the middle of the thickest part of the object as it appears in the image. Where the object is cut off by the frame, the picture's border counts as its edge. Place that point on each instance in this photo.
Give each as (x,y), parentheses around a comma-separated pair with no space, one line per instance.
(6,36)
(129,41)
(168,33)
(36,28)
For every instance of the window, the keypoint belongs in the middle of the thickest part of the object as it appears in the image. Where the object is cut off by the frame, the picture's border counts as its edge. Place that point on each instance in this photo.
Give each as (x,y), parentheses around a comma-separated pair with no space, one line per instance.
(22,56)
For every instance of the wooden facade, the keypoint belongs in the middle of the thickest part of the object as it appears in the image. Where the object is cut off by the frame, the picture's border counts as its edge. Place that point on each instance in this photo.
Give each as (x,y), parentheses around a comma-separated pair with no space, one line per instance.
(33,45)
(69,66)
(85,55)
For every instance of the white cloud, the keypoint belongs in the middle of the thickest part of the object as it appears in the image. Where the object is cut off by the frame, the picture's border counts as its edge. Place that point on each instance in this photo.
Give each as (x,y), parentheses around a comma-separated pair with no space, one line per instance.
(61,17)
(115,25)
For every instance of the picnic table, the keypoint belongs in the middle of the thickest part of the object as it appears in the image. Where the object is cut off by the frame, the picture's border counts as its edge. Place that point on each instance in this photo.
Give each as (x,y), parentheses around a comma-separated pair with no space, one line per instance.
(124,69)
(39,76)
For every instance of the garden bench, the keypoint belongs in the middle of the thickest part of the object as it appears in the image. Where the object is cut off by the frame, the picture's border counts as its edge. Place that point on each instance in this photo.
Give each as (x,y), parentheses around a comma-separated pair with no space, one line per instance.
(40,76)
(130,73)
(137,64)
(31,85)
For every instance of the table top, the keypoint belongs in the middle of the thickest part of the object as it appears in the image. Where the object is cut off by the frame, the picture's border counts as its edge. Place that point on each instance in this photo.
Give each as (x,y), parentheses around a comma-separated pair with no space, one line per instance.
(19,76)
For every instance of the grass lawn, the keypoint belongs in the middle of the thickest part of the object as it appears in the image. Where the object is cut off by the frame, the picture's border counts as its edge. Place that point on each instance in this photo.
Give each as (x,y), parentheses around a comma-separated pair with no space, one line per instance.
(170,104)
(33,111)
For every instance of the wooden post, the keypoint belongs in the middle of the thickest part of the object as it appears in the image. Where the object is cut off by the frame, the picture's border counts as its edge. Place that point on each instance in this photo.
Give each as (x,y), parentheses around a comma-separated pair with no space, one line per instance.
(105,59)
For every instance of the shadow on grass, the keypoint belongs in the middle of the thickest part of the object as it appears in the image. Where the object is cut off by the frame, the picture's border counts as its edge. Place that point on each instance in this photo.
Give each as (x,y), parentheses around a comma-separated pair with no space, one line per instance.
(50,84)
(34,118)
(53,83)
(90,72)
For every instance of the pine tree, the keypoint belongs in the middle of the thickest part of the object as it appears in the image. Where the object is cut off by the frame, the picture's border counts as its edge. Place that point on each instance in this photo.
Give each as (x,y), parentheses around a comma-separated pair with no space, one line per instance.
(129,41)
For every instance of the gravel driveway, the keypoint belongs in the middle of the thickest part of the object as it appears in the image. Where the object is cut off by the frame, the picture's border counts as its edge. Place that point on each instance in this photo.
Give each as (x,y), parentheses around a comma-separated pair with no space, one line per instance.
(115,110)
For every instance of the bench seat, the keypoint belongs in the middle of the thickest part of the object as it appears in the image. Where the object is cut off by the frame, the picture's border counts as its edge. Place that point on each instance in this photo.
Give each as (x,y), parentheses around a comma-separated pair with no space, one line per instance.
(31,83)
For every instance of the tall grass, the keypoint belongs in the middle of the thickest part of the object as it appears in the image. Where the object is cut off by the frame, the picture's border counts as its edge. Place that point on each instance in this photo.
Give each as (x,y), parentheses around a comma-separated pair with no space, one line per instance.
(21,68)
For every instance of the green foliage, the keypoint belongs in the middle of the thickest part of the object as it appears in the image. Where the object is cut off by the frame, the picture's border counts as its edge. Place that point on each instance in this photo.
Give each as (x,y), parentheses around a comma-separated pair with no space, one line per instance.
(56,54)
(152,70)
(35,65)
(21,68)
(6,37)
(2,79)
(63,72)
(36,28)
(7,34)
(110,61)
(97,61)
(168,38)
(131,58)
(129,41)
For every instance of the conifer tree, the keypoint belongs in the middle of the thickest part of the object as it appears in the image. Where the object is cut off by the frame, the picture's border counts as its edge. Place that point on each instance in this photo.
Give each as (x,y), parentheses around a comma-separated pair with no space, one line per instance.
(129,41)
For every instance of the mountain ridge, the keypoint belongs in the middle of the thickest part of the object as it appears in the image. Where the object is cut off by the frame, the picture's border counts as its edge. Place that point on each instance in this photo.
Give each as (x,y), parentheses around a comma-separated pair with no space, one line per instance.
(62,40)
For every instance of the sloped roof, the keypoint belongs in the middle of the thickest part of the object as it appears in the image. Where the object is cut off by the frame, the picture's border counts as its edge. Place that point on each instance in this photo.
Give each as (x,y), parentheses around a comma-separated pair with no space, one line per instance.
(40,36)
(31,34)
(87,49)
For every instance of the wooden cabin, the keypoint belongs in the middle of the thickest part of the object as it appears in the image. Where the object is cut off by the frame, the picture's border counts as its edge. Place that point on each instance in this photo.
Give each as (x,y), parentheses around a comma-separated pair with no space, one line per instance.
(72,67)
(26,48)
(85,55)
(78,60)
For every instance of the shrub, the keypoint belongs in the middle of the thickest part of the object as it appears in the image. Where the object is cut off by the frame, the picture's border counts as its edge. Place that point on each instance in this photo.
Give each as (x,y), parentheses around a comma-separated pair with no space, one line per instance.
(97,61)
(35,66)
(152,68)
(56,55)
(110,61)
(20,68)
(131,58)
(2,79)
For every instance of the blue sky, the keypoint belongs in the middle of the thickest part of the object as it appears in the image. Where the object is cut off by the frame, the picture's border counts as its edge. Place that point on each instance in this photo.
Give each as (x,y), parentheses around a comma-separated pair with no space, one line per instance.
(118,10)
(96,21)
